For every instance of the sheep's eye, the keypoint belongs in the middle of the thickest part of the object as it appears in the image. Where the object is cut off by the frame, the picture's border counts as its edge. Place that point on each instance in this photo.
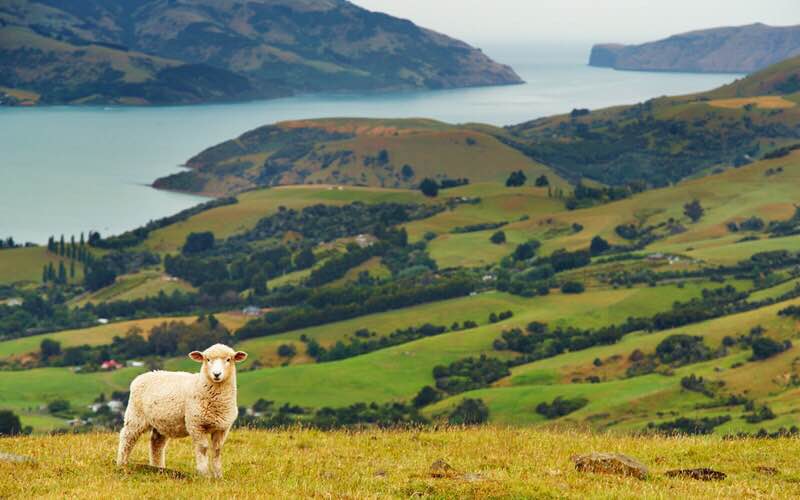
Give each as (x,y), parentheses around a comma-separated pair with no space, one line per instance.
(228,360)
(208,360)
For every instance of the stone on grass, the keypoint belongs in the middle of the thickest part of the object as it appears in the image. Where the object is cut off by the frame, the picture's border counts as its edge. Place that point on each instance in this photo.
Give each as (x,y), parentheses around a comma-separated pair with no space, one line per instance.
(701,474)
(440,469)
(610,463)
(16,459)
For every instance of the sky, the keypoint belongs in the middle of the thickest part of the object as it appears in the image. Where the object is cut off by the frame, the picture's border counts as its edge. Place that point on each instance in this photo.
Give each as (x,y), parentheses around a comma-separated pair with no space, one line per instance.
(498,22)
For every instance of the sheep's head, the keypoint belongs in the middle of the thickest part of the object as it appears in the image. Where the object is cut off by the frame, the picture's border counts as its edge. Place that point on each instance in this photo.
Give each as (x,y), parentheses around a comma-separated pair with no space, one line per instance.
(219,362)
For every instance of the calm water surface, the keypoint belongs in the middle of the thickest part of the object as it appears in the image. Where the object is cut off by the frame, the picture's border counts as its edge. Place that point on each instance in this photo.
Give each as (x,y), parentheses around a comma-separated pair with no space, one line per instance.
(67,170)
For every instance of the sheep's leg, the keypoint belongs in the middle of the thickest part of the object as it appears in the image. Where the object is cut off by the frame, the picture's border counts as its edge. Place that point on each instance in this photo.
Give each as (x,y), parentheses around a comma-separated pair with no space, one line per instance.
(128,436)
(201,453)
(158,448)
(217,440)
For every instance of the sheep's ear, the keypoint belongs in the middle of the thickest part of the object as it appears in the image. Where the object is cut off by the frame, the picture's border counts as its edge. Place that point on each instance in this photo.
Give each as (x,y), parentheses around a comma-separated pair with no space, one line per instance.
(239,356)
(197,356)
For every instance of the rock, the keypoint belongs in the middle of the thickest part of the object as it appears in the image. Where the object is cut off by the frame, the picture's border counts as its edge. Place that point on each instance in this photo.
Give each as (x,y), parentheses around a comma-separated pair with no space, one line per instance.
(766,470)
(440,469)
(17,459)
(701,474)
(610,463)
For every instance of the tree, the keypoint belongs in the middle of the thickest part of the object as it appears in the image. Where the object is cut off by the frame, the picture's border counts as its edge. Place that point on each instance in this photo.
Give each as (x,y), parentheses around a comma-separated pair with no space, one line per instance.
(469,412)
(287,351)
(9,423)
(765,347)
(694,210)
(49,348)
(516,179)
(62,273)
(498,238)
(198,243)
(429,187)
(542,181)
(99,275)
(427,395)
(526,250)
(598,246)
(305,258)
(407,171)
(572,287)
(58,405)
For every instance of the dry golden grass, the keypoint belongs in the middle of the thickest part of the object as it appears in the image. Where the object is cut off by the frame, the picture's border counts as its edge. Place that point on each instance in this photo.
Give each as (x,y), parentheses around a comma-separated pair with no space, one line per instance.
(763,102)
(489,462)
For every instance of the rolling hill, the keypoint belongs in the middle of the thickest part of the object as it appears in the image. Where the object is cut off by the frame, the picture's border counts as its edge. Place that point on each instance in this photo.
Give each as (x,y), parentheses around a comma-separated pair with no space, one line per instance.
(740,49)
(379,153)
(655,143)
(164,52)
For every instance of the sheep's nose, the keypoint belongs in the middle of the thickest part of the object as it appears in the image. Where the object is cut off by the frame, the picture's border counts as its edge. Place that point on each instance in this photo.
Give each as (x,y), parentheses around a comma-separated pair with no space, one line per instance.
(217,374)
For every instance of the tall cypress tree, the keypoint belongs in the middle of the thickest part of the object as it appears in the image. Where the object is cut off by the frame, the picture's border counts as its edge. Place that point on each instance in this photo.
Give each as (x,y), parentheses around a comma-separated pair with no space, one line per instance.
(72,270)
(51,272)
(62,247)
(62,273)
(45,274)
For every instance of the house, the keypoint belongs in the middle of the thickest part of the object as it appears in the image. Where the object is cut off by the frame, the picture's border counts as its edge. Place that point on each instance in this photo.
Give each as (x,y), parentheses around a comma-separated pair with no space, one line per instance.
(102,321)
(135,364)
(252,311)
(111,365)
(365,240)
(76,422)
(14,302)
(116,406)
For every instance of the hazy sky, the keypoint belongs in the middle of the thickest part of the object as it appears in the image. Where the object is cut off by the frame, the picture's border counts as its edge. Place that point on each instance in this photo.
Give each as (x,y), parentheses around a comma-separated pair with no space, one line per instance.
(628,21)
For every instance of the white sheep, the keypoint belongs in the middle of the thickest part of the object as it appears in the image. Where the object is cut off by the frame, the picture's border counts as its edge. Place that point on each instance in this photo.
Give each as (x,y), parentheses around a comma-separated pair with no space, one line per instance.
(178,404)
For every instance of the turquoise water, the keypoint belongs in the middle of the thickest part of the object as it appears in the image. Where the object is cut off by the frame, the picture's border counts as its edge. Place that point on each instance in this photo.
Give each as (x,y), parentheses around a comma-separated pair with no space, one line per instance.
(67,170)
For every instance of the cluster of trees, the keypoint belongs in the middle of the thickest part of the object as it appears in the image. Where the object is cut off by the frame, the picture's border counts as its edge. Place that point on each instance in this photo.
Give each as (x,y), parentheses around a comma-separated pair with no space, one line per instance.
(41,314)
(264,415)
(697,384)
(516,179)
(165,340)
(336,267)
(688,426)
(560,407)
(584,196)
(8,243)
(137,236)
(335,304)
(539,342)
(430,187)
(365,341)
(469,374)
(474,228)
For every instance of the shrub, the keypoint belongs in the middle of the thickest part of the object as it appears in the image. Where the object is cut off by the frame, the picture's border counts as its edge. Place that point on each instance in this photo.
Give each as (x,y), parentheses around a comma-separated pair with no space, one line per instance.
(572,287)
(598,246)
(287,351)
(765,347)
(560,407)
(469,412)
(498,238)
(427,395)
(9,423)
(681,349)
(198,243)
(429,187)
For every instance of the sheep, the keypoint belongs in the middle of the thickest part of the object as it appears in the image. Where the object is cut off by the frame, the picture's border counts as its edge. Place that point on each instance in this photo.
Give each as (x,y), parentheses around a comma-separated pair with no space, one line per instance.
(178,404)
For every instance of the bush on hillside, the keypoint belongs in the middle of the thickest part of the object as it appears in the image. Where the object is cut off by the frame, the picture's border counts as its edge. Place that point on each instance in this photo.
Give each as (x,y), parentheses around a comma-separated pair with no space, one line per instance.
(560,407)
(469,412)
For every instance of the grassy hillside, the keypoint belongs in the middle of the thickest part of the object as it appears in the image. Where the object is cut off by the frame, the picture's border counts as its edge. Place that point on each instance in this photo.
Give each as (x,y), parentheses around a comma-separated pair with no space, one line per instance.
(25,264)
(383,153)
(252,206)
(487,462)
(152,52)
